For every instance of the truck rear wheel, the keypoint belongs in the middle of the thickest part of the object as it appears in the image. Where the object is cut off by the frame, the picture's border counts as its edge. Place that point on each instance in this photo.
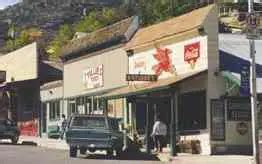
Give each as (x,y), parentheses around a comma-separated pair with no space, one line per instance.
(109,152)
(82,150)
(73,151)
(14,139)
(118,152)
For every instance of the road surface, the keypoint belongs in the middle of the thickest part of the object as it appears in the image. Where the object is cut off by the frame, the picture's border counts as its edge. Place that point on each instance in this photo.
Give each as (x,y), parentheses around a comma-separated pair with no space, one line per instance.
(20,154)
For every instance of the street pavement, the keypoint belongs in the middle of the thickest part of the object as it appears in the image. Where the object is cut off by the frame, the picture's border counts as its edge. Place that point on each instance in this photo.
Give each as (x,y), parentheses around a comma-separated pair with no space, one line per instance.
(21,154)
(25,154)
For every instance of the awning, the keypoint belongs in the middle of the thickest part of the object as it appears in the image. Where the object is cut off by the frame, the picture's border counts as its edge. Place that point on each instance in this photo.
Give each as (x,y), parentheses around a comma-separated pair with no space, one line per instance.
(136,89)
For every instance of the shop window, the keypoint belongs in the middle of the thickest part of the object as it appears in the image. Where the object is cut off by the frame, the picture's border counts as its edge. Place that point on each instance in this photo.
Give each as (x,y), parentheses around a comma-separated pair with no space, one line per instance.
(192,111)
(54,110)
(114,124)
(72,107)
(80,105)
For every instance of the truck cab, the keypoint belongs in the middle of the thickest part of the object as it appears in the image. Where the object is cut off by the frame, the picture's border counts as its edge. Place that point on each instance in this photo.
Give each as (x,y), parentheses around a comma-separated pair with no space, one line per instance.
(92,133)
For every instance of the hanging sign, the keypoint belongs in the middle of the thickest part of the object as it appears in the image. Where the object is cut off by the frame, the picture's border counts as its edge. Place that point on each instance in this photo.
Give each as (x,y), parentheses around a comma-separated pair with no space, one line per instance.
(245,80)
(141,77)
(93,77)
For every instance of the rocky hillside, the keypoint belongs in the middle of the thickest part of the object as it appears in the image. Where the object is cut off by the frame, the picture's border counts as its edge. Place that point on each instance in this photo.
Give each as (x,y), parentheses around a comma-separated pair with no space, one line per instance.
(48,15)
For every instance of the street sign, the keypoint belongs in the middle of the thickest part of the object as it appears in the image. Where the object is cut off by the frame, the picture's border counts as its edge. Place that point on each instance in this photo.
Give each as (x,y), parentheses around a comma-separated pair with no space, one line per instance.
(141,77)
(252,22)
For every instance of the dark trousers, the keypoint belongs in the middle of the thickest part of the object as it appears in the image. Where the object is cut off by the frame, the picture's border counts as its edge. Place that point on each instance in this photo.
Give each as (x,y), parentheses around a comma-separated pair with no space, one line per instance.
(159,142)
(62,134)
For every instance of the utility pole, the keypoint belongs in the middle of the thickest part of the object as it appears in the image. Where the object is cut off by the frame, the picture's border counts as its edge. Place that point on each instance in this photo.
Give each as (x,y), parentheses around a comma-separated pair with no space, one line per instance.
(252,23)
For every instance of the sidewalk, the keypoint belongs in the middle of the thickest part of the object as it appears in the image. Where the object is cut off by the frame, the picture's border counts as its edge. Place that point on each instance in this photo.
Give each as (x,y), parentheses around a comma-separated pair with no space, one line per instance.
(165,157)
(204,159)
(201,159)
(44,142)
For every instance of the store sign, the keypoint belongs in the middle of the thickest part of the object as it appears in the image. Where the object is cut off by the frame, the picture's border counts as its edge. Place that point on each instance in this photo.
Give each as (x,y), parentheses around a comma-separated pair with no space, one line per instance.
(245,80)
(239,109)
(171,60)
(93,77)
(2,76)
(164,61)
(242,128)
(138,77)
(192,53)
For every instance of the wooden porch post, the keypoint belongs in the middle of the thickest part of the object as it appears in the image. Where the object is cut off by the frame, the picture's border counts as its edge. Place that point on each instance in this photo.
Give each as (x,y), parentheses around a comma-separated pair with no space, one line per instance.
(147,128)
(174,104)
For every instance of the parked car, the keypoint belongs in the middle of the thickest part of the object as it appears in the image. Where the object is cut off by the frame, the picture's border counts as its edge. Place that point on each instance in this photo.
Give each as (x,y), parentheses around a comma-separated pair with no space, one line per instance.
(53,132)
(93,132)
(9,130)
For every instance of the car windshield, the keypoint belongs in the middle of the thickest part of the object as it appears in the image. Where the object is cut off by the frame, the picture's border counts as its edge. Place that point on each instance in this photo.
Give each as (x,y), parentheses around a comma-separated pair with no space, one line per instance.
(89,122)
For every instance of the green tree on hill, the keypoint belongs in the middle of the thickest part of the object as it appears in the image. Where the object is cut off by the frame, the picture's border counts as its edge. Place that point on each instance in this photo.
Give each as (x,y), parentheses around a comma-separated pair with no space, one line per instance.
(23,38)
(64,34)
(93,21)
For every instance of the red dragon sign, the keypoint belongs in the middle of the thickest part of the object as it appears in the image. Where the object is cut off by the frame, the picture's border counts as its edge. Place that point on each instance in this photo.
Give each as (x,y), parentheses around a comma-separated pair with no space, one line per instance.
(163,56)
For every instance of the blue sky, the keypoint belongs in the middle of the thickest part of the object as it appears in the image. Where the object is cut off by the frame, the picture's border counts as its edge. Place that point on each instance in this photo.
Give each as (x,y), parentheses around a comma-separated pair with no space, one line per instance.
(4,3)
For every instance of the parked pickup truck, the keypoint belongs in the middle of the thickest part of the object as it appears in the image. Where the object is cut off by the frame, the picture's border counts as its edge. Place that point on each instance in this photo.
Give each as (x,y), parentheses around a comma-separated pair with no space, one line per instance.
(9,130)
(93,132)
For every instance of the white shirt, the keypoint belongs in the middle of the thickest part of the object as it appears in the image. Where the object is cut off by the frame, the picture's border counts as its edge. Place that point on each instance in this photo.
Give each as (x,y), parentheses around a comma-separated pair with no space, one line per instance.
(159,128)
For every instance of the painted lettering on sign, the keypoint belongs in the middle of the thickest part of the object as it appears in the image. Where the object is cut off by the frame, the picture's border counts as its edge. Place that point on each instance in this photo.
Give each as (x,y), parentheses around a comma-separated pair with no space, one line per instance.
(140,77)
(93,77)
(164,59)
(192,53)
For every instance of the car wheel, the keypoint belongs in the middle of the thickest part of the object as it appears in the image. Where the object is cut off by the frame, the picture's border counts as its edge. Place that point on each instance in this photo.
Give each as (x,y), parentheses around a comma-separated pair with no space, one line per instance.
(72,151)
(110,152)
(14,139)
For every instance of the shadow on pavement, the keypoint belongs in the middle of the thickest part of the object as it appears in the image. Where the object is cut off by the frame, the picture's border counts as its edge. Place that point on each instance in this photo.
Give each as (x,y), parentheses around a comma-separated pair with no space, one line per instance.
(125,156)
(132,153)
(24,143)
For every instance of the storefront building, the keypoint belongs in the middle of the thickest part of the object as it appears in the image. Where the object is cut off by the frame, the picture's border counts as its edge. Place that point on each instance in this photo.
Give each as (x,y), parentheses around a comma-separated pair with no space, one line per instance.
(94,65)
(21,88)
(52,108)
(20,91)
(234,67)
(183,55)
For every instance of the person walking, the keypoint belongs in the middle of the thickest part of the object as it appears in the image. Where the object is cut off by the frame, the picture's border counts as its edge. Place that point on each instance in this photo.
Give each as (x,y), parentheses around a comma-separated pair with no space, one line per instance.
(159,133)
(62,126)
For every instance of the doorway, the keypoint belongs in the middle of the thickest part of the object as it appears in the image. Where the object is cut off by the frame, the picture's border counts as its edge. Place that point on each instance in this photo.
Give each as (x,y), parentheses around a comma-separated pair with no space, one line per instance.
(157,107)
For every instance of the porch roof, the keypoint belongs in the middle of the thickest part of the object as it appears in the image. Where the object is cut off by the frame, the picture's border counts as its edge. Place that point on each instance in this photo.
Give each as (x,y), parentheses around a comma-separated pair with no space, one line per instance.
(136,89)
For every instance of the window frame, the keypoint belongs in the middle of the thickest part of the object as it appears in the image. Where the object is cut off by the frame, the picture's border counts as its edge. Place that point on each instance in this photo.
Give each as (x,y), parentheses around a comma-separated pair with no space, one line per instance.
(54,110)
